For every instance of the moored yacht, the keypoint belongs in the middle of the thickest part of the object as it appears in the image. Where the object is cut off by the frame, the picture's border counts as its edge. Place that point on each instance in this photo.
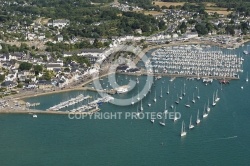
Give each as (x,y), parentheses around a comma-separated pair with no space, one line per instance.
(205,114)
(190,123)
(198,118)
(208,108)
(183,131)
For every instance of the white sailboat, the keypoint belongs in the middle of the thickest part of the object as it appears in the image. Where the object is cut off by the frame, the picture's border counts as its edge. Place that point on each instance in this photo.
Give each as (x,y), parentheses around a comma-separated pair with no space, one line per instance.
(168,90)
(247,77)
(155,97)
(180,95)
(183,132)
(205,114)
(163,120)
(184,92)
(175,118)
(216,97)
(214,103)
(141,106)
(193,101)
(132,100)
(165,111)
(177,101)
(198,118)
(152,119)
(137,80)
(198,95)
(138,98)
(190,123)
(172,106)
(161,93)
(187,105)
(208,108)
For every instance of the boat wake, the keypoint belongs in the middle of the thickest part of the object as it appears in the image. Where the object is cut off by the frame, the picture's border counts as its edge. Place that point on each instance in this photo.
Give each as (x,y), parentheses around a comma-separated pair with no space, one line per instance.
(233,137)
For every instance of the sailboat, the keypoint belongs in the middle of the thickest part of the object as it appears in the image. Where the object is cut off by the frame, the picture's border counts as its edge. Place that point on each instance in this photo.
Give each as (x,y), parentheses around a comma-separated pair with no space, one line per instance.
(165,111)
(161,93)
(216,97)
(198,118)
(168,90)
(152,119)
(190,123)
(183,132)
(132,100)
(198,96)
(172,106)
(184,93)
(141,106)
(208,108)
(138,113)
(163,120)
(214,103)
(188,105)
(175,118)
(193,99)
(247,77)
(205,114)
(137,80)
(155,97)
(180,96)
(177,101)
(149,89)
(138,98)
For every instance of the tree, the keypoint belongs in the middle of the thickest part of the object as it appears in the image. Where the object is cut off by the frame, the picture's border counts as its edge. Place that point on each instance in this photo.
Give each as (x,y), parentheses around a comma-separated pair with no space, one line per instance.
(230,29)
(25,66)
(2,77)
(38,69)
(161,25)
(183,27)
(201,29)
(67,69)
(97,44)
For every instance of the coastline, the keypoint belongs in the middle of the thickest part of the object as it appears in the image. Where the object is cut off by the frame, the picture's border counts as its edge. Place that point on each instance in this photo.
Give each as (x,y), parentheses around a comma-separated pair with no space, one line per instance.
(20,97)
(32,111)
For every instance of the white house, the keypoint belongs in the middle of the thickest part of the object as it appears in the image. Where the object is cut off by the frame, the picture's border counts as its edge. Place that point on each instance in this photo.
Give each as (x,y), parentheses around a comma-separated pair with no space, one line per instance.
(59,38)
(60,23)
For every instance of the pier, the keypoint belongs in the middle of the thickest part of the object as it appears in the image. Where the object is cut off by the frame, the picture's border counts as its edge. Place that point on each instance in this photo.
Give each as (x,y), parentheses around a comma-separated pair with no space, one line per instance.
(111,91)
(69,102)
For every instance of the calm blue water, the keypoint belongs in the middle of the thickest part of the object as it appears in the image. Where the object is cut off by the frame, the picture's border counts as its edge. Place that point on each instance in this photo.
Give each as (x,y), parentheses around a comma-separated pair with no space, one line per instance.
(221,139)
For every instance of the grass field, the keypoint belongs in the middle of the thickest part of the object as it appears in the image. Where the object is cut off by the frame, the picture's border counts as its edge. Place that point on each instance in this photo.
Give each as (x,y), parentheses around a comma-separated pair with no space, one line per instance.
(218,10)
(153,13)
(224,12)
(167,4)
(210,7)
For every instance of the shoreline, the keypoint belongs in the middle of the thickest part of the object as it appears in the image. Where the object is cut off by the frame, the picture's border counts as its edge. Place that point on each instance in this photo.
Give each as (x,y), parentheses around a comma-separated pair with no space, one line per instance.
(32,111)
(21,97)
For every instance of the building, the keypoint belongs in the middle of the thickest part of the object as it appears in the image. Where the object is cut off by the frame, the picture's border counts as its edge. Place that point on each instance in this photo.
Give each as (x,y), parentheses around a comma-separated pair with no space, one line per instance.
(59,38)
(53,66)
(60,23)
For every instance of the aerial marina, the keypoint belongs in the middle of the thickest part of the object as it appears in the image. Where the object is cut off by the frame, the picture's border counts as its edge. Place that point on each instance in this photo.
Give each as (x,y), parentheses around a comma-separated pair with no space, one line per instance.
(195,62)
(197,65)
